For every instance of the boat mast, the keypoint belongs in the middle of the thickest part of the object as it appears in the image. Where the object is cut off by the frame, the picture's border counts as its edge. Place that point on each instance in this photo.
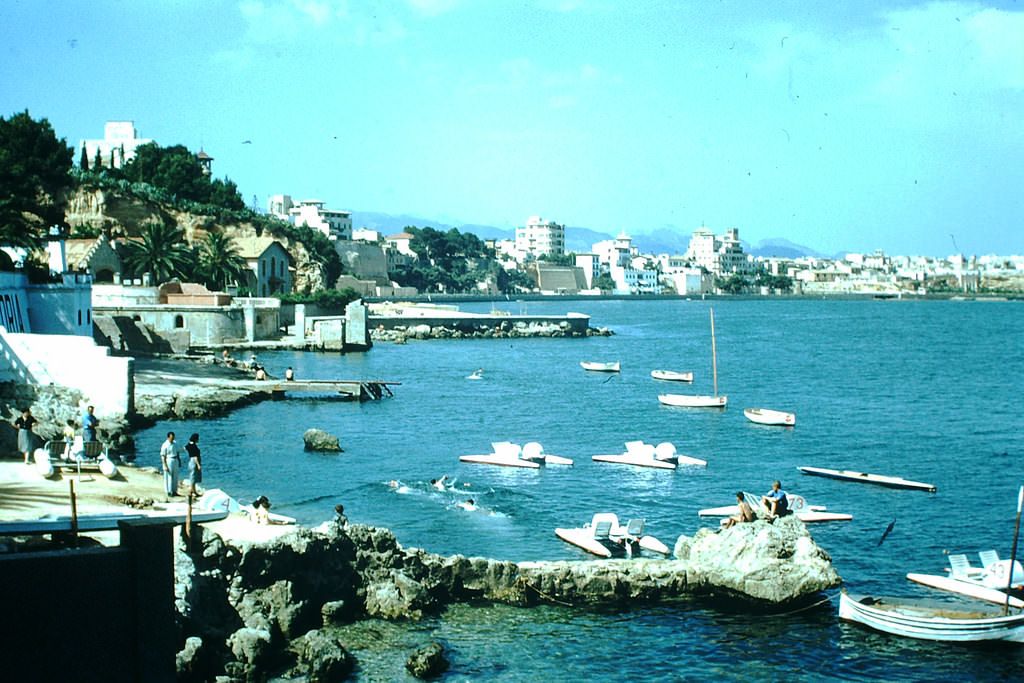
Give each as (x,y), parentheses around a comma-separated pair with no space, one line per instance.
(1013,553)
(714,360)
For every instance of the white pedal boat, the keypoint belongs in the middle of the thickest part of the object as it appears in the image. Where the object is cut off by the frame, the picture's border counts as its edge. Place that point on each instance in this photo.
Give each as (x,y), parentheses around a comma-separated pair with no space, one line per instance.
(663,456)
(763,416)
(987,583)
(605,537)
(798,504)
(507,454)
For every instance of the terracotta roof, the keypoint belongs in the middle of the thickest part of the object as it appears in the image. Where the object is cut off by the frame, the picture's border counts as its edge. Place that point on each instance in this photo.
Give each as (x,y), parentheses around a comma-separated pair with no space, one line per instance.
(400,236)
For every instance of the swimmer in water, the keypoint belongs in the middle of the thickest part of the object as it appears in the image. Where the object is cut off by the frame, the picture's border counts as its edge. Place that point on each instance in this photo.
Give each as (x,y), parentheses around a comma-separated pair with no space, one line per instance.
(468,506)
(439,483)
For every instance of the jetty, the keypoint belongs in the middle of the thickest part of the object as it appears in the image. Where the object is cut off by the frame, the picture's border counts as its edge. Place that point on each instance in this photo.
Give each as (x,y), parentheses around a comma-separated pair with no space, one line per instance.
(362,390)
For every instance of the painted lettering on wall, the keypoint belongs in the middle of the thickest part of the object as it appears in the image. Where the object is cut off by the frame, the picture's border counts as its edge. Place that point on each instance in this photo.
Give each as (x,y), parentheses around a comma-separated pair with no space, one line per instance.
(10,313)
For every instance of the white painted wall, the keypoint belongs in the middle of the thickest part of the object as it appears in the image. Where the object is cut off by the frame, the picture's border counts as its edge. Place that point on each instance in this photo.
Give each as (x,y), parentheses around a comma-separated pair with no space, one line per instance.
(76,362)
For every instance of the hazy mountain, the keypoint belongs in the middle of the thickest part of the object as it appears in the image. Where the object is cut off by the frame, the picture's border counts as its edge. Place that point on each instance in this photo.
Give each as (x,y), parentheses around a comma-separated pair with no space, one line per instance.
(665,240)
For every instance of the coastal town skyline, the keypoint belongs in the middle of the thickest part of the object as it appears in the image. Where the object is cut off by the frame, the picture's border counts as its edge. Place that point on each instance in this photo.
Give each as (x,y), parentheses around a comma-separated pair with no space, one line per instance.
(886,126)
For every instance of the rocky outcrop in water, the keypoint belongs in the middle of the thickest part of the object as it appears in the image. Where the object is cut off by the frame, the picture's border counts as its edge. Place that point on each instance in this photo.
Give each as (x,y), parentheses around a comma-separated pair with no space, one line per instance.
(470,330)
(250,609)
(319,440)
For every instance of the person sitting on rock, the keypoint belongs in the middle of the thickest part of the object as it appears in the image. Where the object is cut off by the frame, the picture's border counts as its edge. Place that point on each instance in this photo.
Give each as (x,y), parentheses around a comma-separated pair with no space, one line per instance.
(776,501)
(340,519)
(746,514)
(261,374)
(261,510)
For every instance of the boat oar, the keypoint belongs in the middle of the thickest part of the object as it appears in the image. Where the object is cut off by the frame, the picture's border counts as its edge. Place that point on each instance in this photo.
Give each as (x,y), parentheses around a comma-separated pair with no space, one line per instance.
(1013,552)
(887,530)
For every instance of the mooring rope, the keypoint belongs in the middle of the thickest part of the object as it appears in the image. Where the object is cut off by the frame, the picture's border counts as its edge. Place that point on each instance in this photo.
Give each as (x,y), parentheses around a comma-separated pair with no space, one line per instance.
(522,580)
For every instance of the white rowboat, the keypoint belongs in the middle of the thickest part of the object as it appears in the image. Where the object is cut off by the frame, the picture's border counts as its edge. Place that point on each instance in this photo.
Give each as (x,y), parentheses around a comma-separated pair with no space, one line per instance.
(695,401)
(672,375)
(879,479)
(600,367)
(764,416)
(930,621)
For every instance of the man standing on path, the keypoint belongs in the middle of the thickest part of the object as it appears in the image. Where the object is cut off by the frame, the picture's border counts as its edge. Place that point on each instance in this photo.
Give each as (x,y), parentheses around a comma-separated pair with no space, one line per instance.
(89,423)
(170,459)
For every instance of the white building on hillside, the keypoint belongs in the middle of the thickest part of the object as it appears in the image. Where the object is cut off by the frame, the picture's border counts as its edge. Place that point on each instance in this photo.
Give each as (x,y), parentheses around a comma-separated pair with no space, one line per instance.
(540,237)
(120,139)
(622,261)
(337,225)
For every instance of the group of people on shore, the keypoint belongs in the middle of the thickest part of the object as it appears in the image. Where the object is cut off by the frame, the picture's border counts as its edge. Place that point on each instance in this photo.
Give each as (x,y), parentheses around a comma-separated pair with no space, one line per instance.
(254,366)
(171,462)
(776,502)
(28,440)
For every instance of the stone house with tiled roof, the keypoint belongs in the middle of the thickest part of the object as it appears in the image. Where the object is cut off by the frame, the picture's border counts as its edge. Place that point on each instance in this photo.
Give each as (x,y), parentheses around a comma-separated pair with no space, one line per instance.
(270,263)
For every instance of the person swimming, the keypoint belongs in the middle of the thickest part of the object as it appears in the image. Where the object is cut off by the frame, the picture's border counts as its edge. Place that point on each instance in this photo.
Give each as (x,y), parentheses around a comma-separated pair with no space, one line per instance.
(468,506)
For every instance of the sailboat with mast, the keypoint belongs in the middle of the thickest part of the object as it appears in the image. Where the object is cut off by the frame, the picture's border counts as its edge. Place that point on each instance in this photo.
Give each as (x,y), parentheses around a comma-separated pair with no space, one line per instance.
(698,401)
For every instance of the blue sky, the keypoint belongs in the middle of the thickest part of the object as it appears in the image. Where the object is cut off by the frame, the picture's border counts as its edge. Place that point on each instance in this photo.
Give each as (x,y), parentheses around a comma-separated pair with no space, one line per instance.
(840,126)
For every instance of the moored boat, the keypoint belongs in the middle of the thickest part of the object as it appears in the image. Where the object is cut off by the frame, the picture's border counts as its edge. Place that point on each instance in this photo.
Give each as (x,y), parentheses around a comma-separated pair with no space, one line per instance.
(672,375)
(764,416)
(535,452)
(605,537)
(988,583)
(600,367)
(798,504)
(879,479)
(642,455)
(928,620)
(505,454)
(693,401)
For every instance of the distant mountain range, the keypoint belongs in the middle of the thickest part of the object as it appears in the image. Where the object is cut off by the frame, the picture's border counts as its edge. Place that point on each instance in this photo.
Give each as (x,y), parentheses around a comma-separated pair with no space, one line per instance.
(665,240)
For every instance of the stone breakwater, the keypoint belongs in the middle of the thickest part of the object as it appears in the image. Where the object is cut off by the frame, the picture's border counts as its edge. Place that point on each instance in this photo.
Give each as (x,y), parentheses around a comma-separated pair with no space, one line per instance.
(250,610)
(467,329)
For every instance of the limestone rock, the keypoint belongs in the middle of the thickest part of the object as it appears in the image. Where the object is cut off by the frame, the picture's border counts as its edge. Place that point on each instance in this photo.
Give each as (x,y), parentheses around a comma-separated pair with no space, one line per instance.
(193,663)
(251,649)
(323,657)
(427,661)
(772,561)
(319,440)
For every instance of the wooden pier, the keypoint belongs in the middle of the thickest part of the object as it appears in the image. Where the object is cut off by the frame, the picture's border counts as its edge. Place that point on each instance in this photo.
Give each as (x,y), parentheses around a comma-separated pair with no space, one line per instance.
(361,390)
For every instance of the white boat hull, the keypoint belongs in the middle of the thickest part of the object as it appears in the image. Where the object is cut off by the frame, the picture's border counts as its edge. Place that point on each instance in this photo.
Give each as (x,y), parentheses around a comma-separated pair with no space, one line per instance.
(693,401)
(637,460)
(879,479)
(770,417)
(101,522)
(672,376)
(500,460)
(917,620)
(584,538)
(600,367)
(968,588)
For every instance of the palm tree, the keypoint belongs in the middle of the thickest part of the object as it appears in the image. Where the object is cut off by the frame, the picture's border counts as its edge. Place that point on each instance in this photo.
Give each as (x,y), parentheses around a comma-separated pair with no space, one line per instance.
(161,252)
(219,261)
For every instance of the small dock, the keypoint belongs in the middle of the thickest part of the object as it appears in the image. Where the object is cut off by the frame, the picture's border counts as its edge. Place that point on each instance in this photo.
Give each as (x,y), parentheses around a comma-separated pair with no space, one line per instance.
(352,390)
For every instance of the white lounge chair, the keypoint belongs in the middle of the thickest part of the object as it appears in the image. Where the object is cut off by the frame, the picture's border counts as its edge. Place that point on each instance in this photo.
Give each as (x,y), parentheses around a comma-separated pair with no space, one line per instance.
(532,451)
(961,568)
(665,451)
(988,557)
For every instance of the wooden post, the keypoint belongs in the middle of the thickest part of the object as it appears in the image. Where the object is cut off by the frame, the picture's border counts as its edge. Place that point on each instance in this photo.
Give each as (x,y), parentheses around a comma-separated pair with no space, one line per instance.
(1013,552)
(74,515)
(714,359)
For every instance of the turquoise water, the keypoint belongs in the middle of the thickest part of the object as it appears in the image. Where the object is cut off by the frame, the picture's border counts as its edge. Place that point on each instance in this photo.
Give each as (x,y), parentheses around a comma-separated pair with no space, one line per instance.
(929,391)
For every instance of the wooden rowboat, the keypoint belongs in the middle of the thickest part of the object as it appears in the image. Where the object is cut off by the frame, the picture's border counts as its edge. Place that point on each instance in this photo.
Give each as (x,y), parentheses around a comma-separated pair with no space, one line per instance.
(931,621)
(672,375)
(764,416)
(879,479)
(600,367)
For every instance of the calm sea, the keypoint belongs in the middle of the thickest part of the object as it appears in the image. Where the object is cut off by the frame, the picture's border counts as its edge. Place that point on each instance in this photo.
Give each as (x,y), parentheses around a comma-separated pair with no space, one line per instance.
(929,391)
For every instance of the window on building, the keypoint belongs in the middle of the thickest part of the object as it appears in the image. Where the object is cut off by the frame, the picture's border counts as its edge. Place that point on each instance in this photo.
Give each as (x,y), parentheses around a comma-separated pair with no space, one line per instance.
(79,316)
(179,321)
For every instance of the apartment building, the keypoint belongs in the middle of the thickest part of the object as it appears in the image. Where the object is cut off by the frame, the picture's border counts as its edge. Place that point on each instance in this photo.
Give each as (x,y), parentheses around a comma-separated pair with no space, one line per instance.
(539,237)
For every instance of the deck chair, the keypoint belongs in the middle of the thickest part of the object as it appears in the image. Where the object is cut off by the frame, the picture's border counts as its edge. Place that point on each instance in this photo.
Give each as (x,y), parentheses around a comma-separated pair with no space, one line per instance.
(507,448)
(988,557)
(646,451)
(602,530)
(635,528)
(961,568)
(634,446)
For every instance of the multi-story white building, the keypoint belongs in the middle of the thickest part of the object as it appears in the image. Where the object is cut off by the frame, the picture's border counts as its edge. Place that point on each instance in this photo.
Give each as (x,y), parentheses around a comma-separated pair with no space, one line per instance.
(621,260)
(718,255)
(591,265)
(120,139)
(540,237)
(337,225)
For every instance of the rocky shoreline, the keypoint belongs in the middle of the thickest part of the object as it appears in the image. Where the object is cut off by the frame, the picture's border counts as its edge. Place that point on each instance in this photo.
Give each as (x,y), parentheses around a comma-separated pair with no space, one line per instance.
(463,330)
(249,610)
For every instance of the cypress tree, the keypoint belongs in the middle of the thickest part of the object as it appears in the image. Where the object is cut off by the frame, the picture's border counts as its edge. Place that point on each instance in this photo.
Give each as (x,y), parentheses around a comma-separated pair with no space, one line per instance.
(84,161)
(97,163)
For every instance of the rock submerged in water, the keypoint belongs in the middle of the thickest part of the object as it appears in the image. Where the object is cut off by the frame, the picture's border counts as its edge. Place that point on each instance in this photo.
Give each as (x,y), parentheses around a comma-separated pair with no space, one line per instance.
(427,661)
(319,440)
